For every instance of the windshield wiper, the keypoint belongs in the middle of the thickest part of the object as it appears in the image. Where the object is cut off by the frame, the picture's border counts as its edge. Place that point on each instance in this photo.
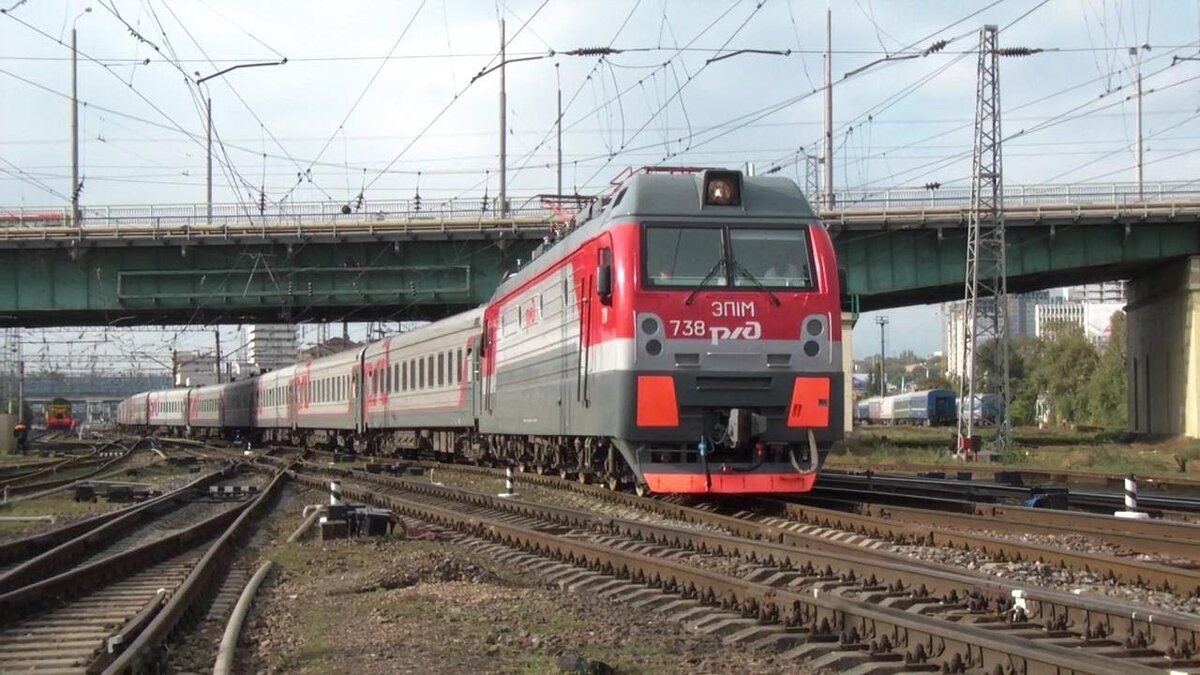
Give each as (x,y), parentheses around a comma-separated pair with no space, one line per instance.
(737,266)
(716,266)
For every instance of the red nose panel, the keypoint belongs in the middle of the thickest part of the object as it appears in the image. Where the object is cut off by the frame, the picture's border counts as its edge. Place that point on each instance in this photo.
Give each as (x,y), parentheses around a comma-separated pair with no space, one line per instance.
(810,403)
(656,403)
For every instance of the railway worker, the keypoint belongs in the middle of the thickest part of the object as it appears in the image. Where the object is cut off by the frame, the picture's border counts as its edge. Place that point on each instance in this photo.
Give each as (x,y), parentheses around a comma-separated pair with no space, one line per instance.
(21,433)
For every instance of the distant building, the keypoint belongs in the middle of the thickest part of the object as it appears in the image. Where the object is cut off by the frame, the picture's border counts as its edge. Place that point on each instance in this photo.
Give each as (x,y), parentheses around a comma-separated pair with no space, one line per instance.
(1095,318)
(194,369)
(1106,293)
(330,346)
(270,346)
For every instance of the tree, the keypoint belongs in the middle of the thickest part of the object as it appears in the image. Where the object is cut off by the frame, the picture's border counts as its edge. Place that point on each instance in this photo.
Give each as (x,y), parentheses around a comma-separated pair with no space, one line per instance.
(1107,403)
(1066,361)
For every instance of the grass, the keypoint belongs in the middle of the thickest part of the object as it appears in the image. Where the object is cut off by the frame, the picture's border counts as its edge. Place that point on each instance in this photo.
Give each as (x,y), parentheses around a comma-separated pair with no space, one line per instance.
(56,506)
(1096,451)
(481,626)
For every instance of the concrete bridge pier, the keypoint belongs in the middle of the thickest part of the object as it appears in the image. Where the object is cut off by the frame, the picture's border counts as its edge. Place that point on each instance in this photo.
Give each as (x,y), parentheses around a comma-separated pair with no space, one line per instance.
(1163,346)
(848,321)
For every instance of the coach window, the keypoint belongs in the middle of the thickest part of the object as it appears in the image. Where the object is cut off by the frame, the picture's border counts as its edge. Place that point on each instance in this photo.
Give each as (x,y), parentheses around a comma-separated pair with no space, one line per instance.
(459,366)
(429,367)
(441,369)
(403,377)
(387,380)
(421,373)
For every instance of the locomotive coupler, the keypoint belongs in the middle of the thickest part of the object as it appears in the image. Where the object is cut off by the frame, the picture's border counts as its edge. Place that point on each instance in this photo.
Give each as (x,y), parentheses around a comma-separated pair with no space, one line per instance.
(745,426)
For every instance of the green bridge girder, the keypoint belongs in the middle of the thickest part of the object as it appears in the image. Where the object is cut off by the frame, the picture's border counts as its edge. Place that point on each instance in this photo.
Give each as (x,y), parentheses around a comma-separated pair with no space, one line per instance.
(72,280)
(902,267)
(244,282)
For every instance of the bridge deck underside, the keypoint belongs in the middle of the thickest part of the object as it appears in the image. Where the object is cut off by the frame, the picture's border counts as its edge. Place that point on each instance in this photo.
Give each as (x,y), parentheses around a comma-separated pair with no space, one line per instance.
(895,268)
(170,283)
(60,281)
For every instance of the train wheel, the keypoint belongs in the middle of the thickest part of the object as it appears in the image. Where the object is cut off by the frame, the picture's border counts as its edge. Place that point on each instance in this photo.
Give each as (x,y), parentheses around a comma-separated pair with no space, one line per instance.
(642,490)
(564,474)
(583,478)
(612,483)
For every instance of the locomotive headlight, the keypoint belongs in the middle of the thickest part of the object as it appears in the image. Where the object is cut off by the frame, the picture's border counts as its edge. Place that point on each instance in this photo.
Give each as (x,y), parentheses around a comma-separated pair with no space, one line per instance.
(722,188)
(814,327)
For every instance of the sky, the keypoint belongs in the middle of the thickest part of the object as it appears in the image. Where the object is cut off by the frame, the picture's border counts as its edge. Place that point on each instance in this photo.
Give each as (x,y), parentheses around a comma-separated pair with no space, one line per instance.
(379,99)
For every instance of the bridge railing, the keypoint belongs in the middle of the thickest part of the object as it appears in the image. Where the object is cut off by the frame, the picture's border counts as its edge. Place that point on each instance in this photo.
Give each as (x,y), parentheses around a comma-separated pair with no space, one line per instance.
(467,210)
(291,213)
(1092,194)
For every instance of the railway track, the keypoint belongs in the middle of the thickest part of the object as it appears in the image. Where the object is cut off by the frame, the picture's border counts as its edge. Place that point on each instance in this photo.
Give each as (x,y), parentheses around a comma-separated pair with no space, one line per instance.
(48,553)
(112,613)
(838,605)
(919,491)
(47,481)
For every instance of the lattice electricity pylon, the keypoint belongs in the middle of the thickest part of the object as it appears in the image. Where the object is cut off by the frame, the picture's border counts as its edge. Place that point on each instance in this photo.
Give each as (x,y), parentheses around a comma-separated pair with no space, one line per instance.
(812,178)
(986,289)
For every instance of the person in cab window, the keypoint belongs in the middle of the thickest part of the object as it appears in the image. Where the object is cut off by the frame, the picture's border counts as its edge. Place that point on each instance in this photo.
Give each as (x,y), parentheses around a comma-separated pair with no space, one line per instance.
(782,272)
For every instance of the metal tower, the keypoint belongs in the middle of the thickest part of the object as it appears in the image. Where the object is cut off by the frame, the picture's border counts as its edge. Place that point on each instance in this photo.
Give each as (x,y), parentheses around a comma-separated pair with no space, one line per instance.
(986,288)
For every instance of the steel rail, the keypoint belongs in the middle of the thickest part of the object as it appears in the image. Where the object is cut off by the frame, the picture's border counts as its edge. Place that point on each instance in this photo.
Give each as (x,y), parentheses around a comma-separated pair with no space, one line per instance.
(100,532)
(1174,632)
(201,582)
(862,625)
(36,490)
(912,487)
(1164,537)
(1044,477)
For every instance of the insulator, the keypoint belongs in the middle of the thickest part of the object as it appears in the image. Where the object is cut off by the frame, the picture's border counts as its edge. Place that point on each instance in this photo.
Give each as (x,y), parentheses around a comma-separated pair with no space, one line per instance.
(1017,51)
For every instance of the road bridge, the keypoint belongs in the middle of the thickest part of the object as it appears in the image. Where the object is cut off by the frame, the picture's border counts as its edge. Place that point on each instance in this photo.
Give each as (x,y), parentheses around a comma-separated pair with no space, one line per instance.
(420,260)
(410,259)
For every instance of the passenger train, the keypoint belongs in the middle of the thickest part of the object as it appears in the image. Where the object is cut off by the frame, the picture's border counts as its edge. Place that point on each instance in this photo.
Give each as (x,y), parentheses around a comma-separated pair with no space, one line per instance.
(933,407)
(685,337)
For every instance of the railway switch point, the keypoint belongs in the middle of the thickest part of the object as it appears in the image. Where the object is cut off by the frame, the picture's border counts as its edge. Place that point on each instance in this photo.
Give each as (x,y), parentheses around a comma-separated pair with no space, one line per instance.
(1131,511)
(509,483)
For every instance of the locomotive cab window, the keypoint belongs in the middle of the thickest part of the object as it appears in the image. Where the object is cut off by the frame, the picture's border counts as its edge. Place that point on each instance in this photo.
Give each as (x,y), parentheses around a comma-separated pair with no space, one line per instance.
(775,258)
(684,257)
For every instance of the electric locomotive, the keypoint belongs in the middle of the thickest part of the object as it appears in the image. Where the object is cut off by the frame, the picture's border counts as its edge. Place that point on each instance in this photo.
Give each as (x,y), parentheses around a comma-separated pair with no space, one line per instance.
(58,415)
(684,338)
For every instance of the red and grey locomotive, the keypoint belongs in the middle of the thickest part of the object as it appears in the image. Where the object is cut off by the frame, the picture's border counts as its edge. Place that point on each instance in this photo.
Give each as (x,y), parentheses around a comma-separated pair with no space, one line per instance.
(685,337)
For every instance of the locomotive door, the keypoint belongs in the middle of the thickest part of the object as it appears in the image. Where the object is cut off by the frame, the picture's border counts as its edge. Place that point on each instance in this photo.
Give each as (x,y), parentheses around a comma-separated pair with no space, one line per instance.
(488,355)
(569,344)
(355,397)
(473,377)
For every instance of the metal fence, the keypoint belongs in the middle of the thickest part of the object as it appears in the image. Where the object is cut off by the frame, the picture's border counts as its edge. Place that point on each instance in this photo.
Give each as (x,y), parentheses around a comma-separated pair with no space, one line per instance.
(309,213)
(291,213)
(1092,194)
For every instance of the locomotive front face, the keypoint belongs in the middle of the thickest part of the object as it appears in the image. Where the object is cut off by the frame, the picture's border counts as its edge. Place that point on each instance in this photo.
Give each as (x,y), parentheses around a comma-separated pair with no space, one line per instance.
(737,378)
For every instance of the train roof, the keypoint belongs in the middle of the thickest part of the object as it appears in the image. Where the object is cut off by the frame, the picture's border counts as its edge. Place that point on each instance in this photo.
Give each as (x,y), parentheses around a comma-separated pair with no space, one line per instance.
(671,194)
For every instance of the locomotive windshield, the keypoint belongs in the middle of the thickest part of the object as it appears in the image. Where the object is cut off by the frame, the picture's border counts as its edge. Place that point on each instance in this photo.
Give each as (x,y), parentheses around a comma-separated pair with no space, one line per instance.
(685,257)
(707,257)
(772,258)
